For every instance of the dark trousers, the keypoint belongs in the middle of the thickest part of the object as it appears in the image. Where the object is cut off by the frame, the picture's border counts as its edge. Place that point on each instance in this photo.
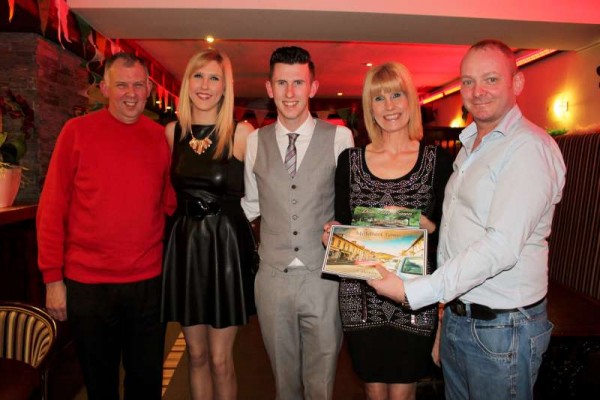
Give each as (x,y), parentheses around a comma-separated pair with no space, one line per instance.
(111,322)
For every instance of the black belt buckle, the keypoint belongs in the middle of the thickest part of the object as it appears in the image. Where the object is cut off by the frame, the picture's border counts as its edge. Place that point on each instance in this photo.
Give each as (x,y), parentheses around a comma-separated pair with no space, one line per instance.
(485,313)
(459,308)
(478,311)
(198,209)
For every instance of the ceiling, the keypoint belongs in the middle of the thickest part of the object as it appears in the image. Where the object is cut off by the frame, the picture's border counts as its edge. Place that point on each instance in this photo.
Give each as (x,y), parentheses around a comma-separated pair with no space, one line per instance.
(428,36)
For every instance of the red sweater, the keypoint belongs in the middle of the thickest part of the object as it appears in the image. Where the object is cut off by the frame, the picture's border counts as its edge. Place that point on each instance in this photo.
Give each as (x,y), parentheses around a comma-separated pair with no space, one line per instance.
(102,210)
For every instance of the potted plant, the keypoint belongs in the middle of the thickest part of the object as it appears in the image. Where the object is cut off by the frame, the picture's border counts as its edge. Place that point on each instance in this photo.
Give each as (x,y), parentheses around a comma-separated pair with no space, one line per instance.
(13,146)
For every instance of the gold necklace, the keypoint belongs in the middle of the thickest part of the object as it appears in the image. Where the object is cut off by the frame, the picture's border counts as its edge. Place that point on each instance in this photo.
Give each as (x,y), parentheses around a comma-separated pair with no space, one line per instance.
(200,145)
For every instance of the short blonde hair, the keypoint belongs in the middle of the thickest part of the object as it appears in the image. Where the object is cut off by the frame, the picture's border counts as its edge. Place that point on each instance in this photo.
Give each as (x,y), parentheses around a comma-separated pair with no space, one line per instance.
(224,125)
(387,78)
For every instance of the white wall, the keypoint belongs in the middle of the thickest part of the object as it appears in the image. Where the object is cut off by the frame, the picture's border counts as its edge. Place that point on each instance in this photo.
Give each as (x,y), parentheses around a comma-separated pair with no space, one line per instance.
(571,74)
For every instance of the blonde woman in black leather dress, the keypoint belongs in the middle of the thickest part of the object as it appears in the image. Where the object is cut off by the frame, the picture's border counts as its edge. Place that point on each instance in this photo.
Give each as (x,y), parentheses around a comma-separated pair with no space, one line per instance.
(208,272)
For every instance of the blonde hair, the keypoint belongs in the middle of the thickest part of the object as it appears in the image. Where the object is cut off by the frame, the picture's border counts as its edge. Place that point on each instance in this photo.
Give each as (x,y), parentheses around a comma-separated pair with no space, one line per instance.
(387,78)
(224,125)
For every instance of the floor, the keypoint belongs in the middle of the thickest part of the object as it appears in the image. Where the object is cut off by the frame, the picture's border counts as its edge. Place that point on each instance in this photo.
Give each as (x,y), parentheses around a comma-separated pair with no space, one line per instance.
(255,380)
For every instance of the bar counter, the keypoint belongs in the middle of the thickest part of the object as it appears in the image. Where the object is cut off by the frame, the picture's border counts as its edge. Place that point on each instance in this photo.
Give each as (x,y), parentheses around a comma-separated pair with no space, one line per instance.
(18,213)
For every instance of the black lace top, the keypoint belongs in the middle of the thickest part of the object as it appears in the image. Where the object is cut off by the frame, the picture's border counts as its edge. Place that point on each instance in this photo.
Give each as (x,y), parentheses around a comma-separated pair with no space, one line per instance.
(422,188)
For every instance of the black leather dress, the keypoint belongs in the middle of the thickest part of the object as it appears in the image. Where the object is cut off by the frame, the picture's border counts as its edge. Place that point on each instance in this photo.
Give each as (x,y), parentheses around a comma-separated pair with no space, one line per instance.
(208,275)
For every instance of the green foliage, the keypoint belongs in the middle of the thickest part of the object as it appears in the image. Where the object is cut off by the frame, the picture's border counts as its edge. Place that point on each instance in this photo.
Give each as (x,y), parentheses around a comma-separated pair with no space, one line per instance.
(556,132)
(13,145)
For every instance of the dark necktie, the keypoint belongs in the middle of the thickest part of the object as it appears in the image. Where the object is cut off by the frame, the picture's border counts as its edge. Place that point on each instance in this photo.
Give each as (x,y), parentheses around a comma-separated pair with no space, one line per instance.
(290,155)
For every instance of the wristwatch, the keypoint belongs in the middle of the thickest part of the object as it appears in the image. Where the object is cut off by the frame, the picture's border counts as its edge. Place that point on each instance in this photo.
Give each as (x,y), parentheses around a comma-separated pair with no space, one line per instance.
(405,303)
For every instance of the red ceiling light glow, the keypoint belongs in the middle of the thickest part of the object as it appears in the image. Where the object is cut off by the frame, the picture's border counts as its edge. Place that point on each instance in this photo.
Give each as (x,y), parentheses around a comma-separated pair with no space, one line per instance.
(455,87)
(451,89)
(536,55)
(432,98)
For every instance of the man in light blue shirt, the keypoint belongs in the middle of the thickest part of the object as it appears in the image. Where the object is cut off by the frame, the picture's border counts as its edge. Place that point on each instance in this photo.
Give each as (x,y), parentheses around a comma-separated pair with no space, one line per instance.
(492,253)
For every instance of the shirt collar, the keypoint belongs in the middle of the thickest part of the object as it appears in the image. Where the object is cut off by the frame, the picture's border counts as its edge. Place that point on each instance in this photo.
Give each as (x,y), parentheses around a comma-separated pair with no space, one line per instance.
(504,127)
(307,127)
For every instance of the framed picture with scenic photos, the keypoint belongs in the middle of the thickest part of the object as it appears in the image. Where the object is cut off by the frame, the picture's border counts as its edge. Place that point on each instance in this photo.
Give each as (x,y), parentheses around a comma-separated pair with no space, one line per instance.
(353,251)
(394,217)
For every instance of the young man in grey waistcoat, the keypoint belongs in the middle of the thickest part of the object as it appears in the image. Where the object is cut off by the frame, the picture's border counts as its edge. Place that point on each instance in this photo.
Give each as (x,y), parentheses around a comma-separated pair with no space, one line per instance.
(289,179)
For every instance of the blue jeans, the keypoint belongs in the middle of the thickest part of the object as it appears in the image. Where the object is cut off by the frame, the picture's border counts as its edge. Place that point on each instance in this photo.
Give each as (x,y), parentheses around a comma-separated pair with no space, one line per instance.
(494,360)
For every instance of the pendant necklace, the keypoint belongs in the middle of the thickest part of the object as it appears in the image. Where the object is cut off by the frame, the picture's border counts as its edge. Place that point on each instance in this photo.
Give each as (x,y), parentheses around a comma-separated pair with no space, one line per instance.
(200,145)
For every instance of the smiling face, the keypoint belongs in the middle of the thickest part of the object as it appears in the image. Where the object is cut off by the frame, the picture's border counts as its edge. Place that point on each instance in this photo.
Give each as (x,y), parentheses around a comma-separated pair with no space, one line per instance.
(489,86)
(127,87)
(290,87)
(391,111)
(390,102)
(206,87)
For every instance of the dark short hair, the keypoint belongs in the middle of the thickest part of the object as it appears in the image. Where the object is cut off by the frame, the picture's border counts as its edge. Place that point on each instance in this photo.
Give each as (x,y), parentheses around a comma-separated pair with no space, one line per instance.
(291,55)
(498,45)
(128,59)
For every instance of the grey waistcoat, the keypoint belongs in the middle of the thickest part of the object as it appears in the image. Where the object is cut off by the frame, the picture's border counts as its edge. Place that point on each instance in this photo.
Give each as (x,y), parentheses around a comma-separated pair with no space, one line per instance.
(294,210)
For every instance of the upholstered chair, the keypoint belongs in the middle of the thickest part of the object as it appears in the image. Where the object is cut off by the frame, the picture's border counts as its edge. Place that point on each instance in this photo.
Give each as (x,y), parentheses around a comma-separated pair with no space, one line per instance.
(27,338)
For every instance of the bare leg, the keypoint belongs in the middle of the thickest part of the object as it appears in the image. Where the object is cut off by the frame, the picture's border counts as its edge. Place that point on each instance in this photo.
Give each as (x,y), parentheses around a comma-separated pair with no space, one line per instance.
(221,362)
(376,391)
(196,338)
(393,391)
(402,391)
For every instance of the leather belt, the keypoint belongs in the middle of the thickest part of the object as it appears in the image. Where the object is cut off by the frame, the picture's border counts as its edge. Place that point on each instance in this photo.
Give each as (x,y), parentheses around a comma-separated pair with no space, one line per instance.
(197,208)
(479,311)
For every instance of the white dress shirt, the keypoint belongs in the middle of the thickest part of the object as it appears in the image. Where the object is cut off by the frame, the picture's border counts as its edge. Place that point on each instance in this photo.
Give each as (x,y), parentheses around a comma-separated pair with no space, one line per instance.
(497,214)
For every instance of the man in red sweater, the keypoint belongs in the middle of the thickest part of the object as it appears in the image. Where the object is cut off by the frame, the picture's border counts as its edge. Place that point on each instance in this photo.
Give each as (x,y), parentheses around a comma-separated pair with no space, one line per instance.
(100,227)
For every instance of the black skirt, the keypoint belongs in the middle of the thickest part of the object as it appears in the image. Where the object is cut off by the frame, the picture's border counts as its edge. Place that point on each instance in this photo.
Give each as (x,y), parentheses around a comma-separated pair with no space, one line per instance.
(389,355)
(208,273)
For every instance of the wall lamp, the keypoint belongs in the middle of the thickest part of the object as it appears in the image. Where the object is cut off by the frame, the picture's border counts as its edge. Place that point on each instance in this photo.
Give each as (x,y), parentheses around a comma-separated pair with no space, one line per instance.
(561,106)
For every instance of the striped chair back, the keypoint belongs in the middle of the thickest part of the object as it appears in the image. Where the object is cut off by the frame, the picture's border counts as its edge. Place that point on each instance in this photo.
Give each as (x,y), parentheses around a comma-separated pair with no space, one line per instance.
(27,333)
(575,239)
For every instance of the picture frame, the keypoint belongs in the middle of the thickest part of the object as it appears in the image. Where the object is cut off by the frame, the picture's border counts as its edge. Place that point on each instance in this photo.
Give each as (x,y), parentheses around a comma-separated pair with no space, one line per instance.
(353,251)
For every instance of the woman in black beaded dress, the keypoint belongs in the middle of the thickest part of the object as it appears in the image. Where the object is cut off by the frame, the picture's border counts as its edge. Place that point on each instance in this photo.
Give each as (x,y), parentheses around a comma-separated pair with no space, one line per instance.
(390,345)
(208,268)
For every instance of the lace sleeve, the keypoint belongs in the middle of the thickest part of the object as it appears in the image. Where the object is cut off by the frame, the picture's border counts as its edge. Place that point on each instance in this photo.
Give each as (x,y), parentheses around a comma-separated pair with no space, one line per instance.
(343,213)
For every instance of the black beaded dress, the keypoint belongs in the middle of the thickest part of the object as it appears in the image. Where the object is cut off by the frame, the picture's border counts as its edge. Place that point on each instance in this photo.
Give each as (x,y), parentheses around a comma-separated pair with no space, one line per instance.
(208,275)
(387,343)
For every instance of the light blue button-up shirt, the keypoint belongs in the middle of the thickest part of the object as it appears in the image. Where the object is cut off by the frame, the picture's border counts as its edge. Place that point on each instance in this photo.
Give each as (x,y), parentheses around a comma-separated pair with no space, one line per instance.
(497,214)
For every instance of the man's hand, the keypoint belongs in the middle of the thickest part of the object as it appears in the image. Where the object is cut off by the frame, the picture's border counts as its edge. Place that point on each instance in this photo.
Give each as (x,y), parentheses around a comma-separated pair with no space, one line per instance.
(327,231)
(56,300)
(390,285)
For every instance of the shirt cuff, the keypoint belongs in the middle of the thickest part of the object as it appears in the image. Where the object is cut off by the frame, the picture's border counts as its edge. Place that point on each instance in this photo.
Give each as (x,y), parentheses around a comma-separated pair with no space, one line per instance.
(419,292)
(50,275)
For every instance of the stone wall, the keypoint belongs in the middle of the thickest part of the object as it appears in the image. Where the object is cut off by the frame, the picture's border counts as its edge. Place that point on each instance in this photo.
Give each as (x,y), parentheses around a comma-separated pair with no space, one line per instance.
(53,82)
